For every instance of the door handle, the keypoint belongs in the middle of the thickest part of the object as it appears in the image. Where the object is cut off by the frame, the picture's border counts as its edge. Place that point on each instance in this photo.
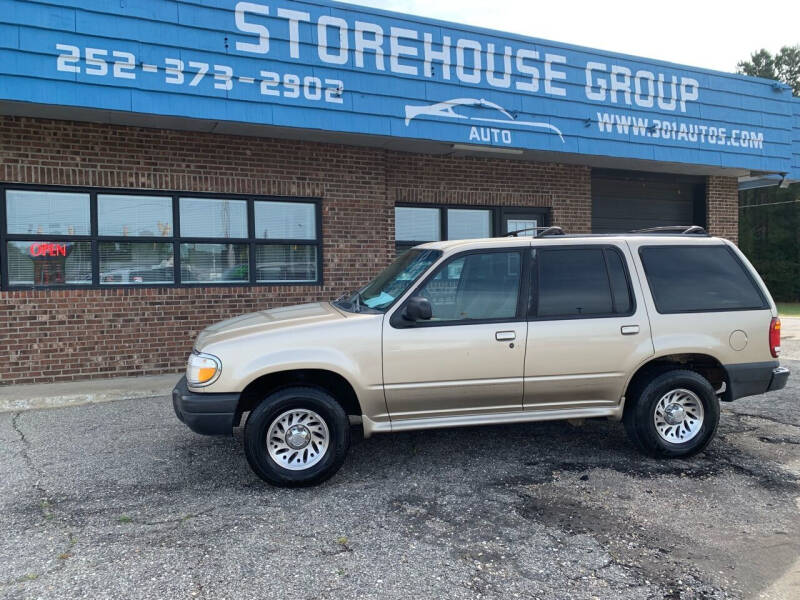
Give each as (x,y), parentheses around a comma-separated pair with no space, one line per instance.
(506,336)
(631,330)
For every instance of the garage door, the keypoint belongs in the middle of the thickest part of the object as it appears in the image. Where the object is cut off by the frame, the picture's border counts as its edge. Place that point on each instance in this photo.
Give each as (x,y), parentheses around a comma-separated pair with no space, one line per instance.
(622,202)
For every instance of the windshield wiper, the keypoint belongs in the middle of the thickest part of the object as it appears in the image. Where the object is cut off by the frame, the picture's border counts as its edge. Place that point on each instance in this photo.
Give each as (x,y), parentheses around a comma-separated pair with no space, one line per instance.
(355,301)
(358,302)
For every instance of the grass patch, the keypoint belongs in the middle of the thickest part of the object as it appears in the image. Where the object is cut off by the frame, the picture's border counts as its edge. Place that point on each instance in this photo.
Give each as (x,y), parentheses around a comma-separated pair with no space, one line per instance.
(343,543)
(789,309)
(125,519)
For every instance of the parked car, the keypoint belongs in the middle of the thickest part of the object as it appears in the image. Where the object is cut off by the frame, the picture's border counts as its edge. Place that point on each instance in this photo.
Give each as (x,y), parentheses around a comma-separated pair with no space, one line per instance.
(653,329)
(156,274)
(281,272)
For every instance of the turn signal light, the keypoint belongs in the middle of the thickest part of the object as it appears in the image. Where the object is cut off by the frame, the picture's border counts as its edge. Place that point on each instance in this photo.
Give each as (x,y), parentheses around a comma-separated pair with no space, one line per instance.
(203,369)
(775,337)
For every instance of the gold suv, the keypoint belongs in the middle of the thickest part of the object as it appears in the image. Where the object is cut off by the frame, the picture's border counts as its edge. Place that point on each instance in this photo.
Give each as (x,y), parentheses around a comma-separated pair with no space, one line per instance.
(653,329)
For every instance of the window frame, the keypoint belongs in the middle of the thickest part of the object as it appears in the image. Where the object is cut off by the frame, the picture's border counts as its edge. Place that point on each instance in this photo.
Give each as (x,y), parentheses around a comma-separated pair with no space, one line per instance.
(176,240)
(397,321)
(764,302)
(533,308)
(497,216)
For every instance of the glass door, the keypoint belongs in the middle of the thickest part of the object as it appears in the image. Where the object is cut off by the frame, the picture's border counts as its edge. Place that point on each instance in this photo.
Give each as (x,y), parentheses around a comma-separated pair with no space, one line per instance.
(523,221)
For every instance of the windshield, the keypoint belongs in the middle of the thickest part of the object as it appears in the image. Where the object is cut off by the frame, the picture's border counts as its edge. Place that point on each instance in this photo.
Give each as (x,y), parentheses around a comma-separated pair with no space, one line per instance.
(394,281)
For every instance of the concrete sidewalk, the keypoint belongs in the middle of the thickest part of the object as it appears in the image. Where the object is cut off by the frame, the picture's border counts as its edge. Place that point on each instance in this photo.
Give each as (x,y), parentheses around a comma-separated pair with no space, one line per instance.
(16,398)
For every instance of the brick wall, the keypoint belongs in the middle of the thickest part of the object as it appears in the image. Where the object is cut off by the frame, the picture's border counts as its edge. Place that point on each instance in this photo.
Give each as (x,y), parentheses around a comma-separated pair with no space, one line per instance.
(566,189)
(722,206)
(66,335)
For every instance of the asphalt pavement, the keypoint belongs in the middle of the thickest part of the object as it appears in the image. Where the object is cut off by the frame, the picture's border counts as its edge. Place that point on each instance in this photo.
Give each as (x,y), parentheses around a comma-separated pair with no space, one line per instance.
(120,500)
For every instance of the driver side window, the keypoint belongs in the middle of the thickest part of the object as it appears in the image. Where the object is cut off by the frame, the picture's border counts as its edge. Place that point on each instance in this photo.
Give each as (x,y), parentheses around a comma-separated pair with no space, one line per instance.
(476,287)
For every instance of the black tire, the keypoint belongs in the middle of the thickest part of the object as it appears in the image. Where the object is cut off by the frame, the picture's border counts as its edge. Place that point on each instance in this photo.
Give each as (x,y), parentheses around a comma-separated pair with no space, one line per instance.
(279,403)
(641,406)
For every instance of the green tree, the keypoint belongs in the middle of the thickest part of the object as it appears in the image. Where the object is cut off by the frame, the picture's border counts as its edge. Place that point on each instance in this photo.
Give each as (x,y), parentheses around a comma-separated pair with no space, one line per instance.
(784,66)
(769,218)
(769,235)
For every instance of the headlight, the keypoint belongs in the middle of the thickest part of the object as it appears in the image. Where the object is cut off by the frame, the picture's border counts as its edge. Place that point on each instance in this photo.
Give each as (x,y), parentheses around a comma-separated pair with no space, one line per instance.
(203,369)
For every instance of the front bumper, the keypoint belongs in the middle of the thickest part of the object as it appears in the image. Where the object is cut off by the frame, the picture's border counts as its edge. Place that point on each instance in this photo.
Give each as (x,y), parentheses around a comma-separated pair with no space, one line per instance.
(206,414)
(753,379)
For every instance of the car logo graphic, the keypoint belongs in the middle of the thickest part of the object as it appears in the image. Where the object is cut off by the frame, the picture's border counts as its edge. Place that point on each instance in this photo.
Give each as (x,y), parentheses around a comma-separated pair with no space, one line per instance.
(446,110)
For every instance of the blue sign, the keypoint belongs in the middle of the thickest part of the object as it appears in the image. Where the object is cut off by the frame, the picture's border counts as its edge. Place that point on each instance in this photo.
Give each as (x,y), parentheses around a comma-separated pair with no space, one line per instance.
(795,170)
(322,65)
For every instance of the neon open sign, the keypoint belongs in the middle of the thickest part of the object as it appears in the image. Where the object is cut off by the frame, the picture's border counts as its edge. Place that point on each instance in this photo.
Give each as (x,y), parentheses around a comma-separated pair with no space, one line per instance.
(48,249)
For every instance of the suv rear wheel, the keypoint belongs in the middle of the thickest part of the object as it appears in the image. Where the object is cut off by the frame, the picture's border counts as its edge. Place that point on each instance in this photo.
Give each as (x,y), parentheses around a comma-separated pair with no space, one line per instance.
(297,437)
(674,416)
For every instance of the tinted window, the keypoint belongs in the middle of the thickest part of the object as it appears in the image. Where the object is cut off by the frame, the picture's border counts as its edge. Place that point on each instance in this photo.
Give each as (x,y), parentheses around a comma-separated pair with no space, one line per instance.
(697,279)
(573,283)
(620,290)
(476,287)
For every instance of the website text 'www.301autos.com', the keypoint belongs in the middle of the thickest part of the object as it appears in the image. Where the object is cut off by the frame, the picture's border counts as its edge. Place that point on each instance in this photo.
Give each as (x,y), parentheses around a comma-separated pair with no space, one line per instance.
(680,131)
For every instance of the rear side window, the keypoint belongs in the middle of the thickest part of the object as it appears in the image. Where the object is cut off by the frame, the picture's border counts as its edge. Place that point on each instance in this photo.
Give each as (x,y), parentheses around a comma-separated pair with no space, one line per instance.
(699,279)
(620,290)
(581,282)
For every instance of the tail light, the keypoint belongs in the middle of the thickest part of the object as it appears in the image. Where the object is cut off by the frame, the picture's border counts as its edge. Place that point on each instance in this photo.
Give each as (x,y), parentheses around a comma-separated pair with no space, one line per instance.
(775,337)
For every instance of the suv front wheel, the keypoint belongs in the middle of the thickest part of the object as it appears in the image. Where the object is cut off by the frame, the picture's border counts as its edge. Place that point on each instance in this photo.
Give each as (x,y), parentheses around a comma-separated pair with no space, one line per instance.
(297,437)
(674,416)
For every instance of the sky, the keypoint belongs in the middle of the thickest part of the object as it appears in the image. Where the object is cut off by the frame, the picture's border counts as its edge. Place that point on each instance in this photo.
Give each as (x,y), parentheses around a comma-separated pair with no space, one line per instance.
(703,33)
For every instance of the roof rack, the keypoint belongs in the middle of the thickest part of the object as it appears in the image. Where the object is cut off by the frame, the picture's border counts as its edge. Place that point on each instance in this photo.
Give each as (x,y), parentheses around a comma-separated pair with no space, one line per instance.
(679,229)
(540,231)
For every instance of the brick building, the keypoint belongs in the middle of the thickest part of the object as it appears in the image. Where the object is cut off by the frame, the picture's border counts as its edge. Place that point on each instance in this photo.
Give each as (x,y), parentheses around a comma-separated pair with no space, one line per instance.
(135,213)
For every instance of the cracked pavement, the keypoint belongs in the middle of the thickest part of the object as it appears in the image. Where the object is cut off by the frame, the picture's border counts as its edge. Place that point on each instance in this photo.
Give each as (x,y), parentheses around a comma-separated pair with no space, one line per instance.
(122,501)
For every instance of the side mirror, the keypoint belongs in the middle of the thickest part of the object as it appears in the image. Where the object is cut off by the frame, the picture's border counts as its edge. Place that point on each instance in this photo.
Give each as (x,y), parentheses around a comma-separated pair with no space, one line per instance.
(418,308)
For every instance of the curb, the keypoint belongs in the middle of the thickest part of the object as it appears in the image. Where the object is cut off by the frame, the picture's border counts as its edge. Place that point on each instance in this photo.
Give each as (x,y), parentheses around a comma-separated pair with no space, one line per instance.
(18,398)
